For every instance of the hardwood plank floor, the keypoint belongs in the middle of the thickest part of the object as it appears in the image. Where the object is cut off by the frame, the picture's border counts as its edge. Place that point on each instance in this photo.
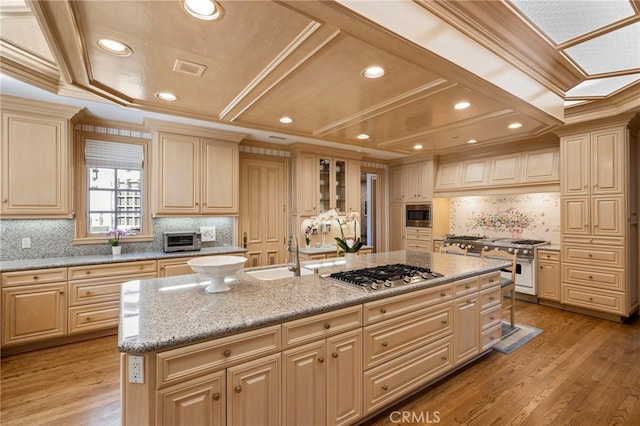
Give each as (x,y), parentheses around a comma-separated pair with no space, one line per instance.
(579,371)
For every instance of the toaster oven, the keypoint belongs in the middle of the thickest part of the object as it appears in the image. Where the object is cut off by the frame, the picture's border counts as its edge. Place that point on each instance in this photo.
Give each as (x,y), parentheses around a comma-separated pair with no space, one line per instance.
(182,241)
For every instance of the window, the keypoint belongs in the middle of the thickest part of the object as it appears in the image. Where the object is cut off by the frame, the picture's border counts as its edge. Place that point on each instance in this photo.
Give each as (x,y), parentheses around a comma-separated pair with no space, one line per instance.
(112,189)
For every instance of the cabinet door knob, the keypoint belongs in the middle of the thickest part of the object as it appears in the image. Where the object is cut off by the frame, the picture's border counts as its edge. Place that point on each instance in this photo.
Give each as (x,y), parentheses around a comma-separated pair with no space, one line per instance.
(444,322)
(385,387)
(384,344)
(238,389)
(334,354)
(443,294)
(216,396)
(35,277)
(88,319)
(444,358)
(227,353)
(383,311)
(321,359)
(327,326)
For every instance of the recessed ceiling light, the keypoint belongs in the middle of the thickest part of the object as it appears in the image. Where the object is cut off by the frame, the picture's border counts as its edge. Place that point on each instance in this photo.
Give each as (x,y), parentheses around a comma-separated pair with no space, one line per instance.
(207,10)
(166,96)
(418,146)
(515,125)
(472,141)
(363,136)
(114,47)
(373,72)
(462,105)
(286,120)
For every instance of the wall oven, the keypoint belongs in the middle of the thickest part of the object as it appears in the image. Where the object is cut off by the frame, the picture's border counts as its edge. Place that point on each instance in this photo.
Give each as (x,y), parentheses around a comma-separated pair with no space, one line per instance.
(419,215)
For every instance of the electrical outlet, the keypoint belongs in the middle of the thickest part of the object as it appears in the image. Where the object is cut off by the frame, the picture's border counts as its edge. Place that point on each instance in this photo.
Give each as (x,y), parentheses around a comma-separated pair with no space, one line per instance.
(26,242)
(136,369)
(208,233)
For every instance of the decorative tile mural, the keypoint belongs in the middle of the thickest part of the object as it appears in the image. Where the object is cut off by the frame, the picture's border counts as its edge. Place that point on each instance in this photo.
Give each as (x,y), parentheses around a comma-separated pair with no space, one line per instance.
(530,216)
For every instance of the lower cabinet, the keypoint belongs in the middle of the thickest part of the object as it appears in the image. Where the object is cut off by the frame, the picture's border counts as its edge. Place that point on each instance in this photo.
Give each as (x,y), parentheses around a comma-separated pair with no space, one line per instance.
(174,267)
(419,239)
(548,279)
(198,402)
(322,381)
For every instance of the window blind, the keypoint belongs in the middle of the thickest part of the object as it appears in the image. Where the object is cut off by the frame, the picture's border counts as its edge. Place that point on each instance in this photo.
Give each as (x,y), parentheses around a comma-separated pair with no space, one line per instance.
(115,155)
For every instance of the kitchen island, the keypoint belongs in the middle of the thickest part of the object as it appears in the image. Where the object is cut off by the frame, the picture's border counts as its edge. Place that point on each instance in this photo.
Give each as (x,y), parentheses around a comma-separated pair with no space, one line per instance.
(303,349)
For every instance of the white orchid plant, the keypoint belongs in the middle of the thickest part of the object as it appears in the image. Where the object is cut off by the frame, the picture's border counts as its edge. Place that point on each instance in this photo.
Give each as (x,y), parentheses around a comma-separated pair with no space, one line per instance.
(349,244)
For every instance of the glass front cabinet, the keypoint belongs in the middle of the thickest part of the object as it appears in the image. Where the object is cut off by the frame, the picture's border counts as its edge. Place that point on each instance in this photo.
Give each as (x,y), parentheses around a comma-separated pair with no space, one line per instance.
(333,185)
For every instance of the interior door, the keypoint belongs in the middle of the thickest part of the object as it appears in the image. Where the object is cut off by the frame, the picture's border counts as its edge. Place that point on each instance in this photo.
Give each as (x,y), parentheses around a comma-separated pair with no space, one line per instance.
(263,210)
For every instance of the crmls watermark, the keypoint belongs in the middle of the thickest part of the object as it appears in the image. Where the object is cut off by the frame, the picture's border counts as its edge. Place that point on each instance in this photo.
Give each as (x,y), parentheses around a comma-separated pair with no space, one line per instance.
(420,417)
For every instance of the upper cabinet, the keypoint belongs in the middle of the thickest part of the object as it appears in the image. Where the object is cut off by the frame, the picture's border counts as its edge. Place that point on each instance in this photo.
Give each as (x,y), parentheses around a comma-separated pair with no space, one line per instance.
(36,159)
(195,170)
(325,182)
(412,183)
(528,168)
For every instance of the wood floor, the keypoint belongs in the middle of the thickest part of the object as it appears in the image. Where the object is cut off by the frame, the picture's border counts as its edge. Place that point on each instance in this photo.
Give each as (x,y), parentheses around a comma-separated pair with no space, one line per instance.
(579,371)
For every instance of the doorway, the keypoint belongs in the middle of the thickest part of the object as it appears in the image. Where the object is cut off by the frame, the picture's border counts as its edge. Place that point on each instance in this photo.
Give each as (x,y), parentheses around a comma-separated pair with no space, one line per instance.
(371,208)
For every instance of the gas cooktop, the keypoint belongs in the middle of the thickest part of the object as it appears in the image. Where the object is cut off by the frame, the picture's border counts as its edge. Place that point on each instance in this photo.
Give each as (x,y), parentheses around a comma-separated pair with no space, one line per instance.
(381,277)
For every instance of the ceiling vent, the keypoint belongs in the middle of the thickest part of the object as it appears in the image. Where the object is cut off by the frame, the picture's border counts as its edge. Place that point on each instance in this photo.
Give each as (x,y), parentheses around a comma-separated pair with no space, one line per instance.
(189,68)
(280,138)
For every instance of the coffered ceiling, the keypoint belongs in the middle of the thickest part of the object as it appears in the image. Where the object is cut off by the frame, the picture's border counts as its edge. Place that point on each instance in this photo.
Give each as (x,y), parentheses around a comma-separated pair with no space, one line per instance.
(264,60)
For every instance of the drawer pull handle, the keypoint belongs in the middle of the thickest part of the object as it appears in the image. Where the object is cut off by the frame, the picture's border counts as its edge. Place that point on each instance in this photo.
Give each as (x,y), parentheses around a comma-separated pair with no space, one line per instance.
(444,358)
(385,387)
(238,389)
(88,319)
(467,287)
(491,318)
(334,354)
(216,396)
(469,302)
(591,299)
(321,359)
(492,338)
(383,311)
(590,277)
(444,322)
(384,344)
(227,353)
(88,293)
(35,277)
(327,326)
(443,294)
(492,298)
(590,255)
(88,272)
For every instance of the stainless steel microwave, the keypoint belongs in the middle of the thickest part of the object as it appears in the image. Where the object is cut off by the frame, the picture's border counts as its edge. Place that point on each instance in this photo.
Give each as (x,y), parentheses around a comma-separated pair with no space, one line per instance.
(419,215)
(182,241)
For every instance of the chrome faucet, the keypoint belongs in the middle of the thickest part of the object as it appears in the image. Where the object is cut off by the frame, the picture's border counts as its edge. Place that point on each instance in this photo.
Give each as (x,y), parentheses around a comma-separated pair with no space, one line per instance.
(292,247)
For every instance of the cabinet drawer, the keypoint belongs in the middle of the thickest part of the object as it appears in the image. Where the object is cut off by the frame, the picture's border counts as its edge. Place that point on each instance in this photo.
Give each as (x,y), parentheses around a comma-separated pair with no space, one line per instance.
(592,239)
(418,233)
(82,292)
(392,307)
(418,245)
(593,255)
(391,338)
(489,280)
(552,256)
(489,297)
(93,317)
(596,299)
(320,326)
(604,278)
(490,317)
(203,358)
(491,337)
(110,270)
(400,376)
(35,276)
(467,286)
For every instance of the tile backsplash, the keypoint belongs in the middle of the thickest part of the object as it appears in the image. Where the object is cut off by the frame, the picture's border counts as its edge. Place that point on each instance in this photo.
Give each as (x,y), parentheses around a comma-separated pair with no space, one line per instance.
(53,237)
(530,216)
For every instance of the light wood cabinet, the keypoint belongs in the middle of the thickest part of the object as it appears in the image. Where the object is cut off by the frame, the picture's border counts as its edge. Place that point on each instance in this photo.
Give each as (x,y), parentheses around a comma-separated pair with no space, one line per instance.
(195,170)
(548,277)
(174,267)
(419,239)
(35,156)
(466,343)
(528,168)
(412,182)
(396,226)
(200,401)
(254,392)
(94,293)
(324,182)
(599,217)
(322,381)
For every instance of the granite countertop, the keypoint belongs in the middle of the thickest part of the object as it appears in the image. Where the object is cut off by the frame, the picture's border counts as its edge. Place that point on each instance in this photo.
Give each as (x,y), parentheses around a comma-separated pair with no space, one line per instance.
(323,249)
(58,262)
(161,313)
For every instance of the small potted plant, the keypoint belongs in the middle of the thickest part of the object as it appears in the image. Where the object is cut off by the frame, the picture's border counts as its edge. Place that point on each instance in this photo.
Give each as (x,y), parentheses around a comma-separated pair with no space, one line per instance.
(114,240)
(307,235)
(349,245)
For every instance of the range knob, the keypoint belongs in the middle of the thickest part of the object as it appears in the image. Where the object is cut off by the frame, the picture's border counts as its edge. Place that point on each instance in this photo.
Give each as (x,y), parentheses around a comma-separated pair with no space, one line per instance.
(374,286)
(462,246)
(486,247)
(510,250)
(525,251)
(469,247)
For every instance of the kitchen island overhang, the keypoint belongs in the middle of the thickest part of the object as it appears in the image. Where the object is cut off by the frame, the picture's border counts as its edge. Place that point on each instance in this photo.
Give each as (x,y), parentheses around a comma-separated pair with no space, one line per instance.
(248,355)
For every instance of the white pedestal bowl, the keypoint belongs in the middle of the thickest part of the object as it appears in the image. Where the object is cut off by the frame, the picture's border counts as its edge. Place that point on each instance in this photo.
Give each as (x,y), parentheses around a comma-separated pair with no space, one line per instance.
(217,268)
